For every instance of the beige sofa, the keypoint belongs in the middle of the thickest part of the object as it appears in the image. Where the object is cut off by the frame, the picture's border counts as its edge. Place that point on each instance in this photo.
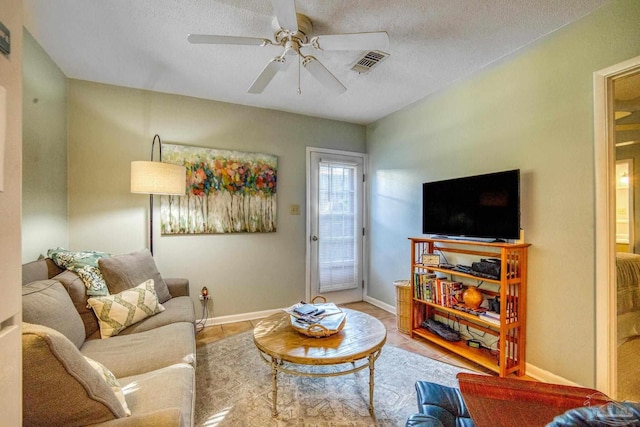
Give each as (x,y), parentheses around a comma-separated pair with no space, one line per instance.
(153,360)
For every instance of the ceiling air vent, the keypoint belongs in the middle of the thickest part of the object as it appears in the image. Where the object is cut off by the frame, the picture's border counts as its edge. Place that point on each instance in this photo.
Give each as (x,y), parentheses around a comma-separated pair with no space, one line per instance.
(369,60)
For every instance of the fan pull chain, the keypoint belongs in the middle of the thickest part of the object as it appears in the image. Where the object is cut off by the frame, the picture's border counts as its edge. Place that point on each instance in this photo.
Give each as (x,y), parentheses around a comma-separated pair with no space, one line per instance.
(299,61)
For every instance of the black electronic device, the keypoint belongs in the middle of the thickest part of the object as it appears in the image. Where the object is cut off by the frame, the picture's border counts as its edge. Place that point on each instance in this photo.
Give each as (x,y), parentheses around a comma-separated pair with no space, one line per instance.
(481,206)
(474,343)
(463,268)
(486,269)
(442,330)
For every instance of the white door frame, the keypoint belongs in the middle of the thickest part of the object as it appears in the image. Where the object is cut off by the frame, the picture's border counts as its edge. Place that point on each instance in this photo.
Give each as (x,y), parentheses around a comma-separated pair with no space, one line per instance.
(365,225)
(605,250)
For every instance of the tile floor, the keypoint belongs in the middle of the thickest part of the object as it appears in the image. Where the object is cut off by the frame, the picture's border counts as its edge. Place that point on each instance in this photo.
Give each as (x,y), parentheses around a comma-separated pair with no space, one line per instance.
(394,337)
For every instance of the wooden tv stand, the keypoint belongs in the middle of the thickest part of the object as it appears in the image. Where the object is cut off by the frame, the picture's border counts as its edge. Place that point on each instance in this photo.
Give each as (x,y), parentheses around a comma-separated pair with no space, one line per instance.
(509,330)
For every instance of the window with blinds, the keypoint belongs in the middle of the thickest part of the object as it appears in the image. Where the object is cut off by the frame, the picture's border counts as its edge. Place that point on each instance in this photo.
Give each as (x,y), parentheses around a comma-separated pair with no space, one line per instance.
(338,226)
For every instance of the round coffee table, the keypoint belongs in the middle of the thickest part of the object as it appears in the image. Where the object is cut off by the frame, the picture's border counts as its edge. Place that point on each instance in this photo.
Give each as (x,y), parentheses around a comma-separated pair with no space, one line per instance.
(361,338)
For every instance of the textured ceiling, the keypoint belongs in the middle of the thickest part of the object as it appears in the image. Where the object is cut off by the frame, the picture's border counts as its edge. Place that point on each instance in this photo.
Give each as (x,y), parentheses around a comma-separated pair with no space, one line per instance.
(142,44)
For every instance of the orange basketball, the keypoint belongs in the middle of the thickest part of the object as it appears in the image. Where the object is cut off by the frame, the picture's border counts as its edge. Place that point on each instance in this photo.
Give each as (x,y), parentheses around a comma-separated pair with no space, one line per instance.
(472,297)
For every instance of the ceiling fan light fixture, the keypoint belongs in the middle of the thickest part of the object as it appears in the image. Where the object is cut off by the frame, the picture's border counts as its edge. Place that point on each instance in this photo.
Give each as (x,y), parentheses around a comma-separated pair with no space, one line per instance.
(303,29)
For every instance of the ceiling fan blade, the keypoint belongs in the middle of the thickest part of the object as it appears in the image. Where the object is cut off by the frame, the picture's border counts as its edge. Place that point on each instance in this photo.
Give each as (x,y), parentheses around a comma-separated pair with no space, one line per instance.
(285,11)
(324,76)
(267,74)
(355,41)
(213,39)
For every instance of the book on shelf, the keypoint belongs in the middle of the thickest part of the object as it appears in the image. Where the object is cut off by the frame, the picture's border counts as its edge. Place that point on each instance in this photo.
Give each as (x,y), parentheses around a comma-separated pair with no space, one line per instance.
(489,319)
(448,293)
(423,284)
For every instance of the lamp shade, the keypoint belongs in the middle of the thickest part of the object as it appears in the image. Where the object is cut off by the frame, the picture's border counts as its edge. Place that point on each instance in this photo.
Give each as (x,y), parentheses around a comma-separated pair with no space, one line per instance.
(158,178)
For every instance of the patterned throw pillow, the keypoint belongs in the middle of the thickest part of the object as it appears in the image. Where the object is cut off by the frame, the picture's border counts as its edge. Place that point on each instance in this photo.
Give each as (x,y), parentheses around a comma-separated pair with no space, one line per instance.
(118,311)
(108,376)
(85,264)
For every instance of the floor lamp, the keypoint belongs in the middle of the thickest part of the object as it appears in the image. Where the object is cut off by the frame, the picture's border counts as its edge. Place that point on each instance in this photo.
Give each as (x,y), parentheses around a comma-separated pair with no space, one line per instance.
(157,178)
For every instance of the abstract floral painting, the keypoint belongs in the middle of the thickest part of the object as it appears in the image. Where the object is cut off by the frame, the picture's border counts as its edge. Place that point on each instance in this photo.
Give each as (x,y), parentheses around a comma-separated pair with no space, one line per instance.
(227,192)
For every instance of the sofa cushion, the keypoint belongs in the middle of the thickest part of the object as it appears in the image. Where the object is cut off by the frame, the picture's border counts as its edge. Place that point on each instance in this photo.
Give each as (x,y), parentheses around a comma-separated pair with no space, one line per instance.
(111,380)
(177,383)
(78,294)
(59,386)
(134,354)
(47,303)
(177,287)
(85,263)
(41,269)
(123,272)
(116,312)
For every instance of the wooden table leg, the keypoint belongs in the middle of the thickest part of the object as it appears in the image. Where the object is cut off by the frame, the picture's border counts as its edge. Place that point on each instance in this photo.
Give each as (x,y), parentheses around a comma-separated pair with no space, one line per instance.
(274,386)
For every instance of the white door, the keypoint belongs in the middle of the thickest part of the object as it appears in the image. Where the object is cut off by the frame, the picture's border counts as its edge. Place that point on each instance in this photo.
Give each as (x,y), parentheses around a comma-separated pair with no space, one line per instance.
(335,225)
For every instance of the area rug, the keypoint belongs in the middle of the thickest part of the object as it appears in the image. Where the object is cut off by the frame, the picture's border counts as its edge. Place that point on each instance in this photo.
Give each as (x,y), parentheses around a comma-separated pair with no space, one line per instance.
(233,388)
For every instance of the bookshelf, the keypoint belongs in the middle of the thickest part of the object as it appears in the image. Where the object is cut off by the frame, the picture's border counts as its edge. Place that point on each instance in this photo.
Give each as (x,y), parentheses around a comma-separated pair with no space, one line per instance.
(435,298)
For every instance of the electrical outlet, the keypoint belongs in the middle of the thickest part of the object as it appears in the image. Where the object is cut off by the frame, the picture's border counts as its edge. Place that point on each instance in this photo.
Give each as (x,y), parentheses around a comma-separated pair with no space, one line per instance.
(204,297)
(294,209)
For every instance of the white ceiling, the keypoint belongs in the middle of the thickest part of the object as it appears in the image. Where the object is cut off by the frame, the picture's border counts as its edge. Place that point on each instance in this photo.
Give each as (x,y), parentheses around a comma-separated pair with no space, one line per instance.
(143,44)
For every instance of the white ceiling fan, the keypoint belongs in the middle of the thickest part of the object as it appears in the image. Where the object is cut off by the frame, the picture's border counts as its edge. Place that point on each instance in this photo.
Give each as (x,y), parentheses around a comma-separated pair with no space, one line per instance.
(292,32)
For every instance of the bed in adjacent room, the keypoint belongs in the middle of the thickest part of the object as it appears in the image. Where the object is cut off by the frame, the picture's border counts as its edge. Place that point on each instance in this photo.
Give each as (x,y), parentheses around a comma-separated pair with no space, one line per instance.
(628,295)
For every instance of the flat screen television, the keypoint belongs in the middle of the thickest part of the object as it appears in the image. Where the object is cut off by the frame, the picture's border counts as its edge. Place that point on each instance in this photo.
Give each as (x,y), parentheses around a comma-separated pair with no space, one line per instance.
(481,206)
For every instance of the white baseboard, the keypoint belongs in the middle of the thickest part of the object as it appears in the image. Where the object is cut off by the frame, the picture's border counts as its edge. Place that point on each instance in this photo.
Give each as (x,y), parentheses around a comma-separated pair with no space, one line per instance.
(221,320)
(548,377)
(380,304)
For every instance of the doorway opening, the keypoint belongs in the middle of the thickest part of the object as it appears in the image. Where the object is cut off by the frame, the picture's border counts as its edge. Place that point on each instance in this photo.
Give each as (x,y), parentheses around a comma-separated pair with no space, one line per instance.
(617,137)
